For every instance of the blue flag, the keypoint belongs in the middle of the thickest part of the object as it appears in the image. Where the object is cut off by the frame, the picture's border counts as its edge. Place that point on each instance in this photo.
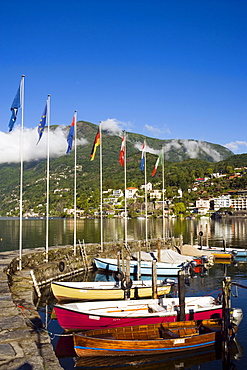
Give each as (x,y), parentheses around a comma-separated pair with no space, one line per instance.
(14,108)
(70,136)
(42,123)
(142,164)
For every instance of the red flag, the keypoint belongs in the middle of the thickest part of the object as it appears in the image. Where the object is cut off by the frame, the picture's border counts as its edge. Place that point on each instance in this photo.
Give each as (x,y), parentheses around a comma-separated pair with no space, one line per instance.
(122,151)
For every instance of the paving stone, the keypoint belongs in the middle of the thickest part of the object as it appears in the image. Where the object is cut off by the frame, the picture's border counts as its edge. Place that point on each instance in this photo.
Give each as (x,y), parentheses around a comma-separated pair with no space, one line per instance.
(15,335)
(18,349)
(7,351)
(12,323)
(5,310)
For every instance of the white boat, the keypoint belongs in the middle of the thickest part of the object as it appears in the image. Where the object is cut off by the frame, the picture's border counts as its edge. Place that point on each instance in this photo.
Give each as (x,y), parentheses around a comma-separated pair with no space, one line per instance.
(163,269)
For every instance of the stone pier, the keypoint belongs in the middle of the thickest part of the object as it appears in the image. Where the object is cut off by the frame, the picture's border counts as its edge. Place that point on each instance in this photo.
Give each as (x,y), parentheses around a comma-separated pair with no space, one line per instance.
(24,344)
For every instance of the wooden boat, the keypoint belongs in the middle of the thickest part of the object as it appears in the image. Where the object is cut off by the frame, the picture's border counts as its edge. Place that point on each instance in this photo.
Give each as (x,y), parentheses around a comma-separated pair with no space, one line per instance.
(88,315)
(149,339)
(69,291)
(163,268)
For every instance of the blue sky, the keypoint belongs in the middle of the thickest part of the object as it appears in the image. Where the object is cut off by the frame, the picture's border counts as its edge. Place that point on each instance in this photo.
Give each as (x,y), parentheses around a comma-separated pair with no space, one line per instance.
(170,69)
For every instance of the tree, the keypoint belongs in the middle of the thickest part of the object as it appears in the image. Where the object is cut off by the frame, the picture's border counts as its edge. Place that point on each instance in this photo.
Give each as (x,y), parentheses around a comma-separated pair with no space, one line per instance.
(179,208)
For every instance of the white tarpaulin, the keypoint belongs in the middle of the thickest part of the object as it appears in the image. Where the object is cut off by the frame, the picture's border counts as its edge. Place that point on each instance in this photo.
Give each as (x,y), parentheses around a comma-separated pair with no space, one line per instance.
(166,255)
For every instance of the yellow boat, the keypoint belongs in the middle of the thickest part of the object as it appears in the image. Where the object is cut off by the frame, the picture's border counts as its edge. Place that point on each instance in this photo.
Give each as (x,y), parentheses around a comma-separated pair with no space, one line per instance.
(222,255)
(110,290)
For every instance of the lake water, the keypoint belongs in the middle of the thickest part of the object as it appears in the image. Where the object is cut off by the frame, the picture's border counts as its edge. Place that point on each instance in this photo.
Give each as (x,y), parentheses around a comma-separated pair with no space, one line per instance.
(233,231)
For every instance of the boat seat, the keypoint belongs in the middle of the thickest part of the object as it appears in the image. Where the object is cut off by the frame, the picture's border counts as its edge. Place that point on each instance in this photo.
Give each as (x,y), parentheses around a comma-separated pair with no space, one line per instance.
(177,333)
(154,307)
(166,333)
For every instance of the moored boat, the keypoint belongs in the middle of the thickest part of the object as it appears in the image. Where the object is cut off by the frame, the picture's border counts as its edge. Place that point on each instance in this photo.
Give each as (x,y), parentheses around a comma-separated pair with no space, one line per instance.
(150,339)
(85,315)
(232,252)
(97,290)
(162,268)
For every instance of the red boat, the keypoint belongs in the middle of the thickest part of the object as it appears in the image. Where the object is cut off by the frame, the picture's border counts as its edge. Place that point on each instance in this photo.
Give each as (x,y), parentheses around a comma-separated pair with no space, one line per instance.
(92,315)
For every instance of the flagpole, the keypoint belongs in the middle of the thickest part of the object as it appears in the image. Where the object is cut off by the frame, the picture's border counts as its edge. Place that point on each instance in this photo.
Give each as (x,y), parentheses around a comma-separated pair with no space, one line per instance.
(47,179)
(145,180)
(163,194)
(21,169)
(75,122)
(101,200)
(125,185)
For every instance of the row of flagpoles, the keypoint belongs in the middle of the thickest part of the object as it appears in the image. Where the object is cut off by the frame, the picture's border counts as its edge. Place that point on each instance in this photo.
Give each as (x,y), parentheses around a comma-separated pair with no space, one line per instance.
(18,103)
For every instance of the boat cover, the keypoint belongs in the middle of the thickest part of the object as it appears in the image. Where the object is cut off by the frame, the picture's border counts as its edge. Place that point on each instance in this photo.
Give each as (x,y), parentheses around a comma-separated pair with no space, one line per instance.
(166,255)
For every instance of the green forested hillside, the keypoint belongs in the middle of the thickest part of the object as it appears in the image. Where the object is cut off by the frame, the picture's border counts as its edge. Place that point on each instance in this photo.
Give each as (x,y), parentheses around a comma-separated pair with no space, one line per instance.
(180,174)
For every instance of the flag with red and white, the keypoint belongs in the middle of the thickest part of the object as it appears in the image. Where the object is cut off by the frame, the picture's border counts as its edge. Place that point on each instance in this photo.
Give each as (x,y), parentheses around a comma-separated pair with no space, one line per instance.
(122,151)
(158,162)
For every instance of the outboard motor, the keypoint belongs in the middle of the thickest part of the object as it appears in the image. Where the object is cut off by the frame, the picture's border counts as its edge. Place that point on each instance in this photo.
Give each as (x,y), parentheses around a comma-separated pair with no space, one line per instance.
(236,316)
(204,259)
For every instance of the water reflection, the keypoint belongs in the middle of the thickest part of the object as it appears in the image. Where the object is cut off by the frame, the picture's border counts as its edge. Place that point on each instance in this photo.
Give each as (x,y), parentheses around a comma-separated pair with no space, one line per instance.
(185,360)
(61,231)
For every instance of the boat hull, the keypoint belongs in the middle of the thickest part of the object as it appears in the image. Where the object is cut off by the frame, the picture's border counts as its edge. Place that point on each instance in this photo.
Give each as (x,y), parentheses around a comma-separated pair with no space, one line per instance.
(105,291)
(147,339)
(162,268)
(230,251)
(76,317)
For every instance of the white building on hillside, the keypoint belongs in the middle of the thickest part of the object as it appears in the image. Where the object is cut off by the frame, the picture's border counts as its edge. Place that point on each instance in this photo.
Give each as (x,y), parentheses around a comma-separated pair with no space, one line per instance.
(223,201)
(117,193)
(148,186)
(156,194)
(131,192)
(203,206)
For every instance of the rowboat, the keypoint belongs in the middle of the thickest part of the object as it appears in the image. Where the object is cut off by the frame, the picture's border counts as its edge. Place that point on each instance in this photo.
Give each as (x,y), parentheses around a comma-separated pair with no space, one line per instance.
(236,252)
(97,290)
(162,268)
(85,315)
(149,339)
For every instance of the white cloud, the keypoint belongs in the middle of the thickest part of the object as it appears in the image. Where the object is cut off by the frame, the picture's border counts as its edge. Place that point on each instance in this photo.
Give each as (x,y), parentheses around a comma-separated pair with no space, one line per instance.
(10,144)
(115,127)
(235,145)
(112,125)
(156,130)
(138,145)
(193,148)
(153,129)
